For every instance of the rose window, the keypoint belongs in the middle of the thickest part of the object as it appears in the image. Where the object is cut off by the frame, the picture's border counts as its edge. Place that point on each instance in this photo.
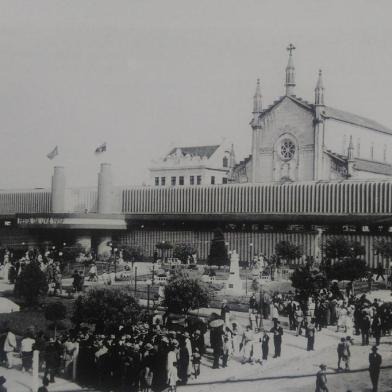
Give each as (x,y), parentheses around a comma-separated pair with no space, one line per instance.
(287,150)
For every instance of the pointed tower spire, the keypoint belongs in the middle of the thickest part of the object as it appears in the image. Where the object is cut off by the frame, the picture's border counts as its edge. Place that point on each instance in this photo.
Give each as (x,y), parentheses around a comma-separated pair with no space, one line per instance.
(257,99)
(319,90)
(350,150)
(290,72)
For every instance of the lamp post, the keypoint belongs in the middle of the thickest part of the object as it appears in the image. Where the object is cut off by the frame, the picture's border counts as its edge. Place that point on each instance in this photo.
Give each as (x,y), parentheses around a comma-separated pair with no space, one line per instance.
(148,294)
(246,268)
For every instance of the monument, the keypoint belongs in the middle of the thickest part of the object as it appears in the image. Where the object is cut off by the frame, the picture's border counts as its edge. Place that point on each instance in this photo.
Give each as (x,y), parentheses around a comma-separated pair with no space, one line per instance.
(234,282)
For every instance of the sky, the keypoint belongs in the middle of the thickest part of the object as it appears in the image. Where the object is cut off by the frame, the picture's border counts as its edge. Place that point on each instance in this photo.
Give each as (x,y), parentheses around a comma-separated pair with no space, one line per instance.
(146,75)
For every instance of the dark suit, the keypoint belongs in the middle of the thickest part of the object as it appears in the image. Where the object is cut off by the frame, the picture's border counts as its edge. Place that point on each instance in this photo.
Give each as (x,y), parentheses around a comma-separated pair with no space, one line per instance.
(265,346)
(375,361)
(278,332)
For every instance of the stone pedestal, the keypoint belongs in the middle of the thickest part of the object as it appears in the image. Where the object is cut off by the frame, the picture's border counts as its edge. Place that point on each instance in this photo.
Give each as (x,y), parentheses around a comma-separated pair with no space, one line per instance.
(58,190)
(234,283)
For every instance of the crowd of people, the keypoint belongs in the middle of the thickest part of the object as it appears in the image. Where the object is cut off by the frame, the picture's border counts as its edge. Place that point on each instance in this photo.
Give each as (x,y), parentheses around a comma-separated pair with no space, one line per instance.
(140,356)
(155,354)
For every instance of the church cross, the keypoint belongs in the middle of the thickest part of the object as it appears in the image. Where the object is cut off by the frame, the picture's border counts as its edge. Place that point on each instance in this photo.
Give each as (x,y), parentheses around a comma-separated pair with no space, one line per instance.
(290,48)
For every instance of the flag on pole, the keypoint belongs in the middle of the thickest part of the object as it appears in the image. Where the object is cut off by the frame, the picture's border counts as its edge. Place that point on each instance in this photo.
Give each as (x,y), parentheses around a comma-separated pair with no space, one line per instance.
(53,153)
(100,149)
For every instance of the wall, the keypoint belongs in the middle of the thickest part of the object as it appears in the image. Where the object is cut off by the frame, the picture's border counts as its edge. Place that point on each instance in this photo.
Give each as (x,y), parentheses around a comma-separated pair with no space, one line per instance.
(288,118)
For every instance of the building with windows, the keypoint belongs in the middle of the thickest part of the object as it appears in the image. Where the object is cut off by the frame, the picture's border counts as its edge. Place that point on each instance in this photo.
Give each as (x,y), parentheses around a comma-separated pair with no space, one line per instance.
(294,140)
(200,165)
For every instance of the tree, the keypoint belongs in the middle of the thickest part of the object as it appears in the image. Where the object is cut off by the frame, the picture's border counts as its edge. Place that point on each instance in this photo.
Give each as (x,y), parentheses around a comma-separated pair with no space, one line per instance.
(349,269)
(308,280)
(384,249)
(55,312)
(164,246)
(132,253)
(106,308)
(31,283)
(218,251)
(288,251)
(183,294)
(71,253)
(347,257)
(183,252)
(339,248)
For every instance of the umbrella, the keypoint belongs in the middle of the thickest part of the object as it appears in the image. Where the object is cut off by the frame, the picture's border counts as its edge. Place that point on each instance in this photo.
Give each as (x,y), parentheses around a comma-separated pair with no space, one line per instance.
(216,323)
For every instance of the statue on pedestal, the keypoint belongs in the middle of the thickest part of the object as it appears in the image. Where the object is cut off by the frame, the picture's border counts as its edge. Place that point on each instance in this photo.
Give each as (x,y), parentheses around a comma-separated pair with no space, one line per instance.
(234,283)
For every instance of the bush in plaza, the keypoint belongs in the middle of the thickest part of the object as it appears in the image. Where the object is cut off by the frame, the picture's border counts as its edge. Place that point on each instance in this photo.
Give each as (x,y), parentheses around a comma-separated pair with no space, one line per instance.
(31,284)
(350,269)
(183,252)
(164,246)
(132,253)
(288,251)
(106,308)
(55,312)
(218,251)
(344,259)
(183,294)
(339,248)
(308,280)
(72,252)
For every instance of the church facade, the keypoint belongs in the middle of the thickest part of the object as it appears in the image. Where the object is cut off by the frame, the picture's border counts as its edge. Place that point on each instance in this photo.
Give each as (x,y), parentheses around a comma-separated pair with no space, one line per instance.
(294,140)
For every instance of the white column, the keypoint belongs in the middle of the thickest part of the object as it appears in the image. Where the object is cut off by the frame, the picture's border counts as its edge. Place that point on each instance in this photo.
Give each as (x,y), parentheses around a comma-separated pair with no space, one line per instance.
(58,190)
(34,382)
(105,189)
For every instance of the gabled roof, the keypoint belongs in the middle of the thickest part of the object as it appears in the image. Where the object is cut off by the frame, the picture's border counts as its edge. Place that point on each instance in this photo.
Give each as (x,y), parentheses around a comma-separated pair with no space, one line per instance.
(200,151)
(354,119)
(243,162)
(366,165)
(293,98)
(373,166)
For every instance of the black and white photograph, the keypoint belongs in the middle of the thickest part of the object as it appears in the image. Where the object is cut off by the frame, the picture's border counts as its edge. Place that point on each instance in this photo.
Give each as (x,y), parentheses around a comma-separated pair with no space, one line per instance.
(195,196)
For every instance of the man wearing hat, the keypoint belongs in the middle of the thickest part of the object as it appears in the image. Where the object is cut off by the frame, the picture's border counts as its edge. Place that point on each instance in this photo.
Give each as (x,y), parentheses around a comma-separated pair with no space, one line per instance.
(375,361)
(321,379)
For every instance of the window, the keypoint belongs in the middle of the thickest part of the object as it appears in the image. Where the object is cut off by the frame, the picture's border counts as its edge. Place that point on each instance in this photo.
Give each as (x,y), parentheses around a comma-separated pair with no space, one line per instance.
(287,150)
(198,179)
(385,153)
(163,181)
(212,180)
(181,180)
(192,180)
(372,151)
(173,181)
(156,181)
(225,162)
(224,180)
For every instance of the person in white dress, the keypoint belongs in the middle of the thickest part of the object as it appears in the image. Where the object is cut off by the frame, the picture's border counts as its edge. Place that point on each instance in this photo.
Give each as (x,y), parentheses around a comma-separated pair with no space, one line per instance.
(172,376)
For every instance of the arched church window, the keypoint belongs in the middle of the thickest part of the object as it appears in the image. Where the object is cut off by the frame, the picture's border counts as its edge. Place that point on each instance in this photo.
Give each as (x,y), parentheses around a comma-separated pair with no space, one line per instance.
(287,149)
(225,162)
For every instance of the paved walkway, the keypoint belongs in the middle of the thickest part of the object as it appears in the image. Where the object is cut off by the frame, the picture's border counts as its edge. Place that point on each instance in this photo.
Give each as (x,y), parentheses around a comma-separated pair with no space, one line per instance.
(22,382)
